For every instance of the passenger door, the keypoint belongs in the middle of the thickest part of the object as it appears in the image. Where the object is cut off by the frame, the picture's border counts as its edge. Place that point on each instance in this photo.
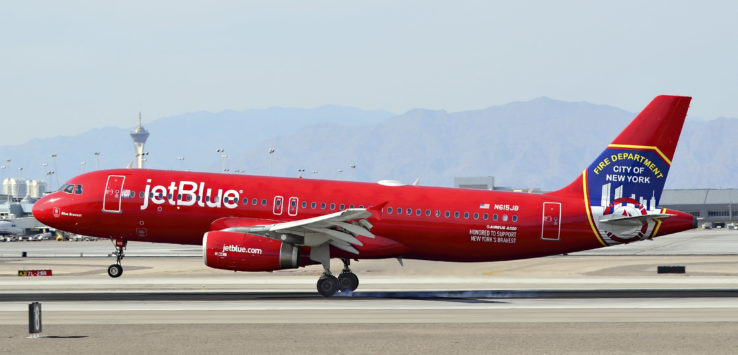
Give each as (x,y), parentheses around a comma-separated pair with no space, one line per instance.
(113,194)
(551,223)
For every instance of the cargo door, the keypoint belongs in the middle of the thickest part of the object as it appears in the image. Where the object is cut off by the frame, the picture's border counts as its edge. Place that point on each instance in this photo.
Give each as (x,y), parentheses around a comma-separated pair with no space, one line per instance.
(113,194)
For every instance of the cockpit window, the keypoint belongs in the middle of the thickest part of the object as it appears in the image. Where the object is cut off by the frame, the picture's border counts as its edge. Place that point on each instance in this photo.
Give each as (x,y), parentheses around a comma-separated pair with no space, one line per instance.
(69,189)
(78,190)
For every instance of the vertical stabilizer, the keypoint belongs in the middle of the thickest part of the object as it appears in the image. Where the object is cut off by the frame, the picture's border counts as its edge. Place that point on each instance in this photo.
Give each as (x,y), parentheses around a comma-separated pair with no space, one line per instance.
(629,175)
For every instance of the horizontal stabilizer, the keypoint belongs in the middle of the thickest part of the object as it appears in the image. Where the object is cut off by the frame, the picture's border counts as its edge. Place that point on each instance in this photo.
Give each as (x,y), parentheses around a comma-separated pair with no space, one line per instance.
(626,219)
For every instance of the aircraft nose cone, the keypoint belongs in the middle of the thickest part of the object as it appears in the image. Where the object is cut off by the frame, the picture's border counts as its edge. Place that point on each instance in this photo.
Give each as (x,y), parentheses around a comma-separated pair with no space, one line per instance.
(43,211)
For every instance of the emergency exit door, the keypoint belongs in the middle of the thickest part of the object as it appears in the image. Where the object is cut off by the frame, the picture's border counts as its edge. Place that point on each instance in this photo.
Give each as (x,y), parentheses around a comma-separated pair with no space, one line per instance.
(551,222)
(113,194)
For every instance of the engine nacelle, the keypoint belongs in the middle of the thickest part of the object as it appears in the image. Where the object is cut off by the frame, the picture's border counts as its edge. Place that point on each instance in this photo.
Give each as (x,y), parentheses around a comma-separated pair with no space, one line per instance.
(248,252)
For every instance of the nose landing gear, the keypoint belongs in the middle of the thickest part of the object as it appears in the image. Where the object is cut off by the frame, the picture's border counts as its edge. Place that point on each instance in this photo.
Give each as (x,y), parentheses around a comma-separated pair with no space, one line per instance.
(115,270)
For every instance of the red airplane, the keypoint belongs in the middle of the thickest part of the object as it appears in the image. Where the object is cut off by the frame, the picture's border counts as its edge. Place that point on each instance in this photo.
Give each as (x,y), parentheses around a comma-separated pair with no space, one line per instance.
(257,223)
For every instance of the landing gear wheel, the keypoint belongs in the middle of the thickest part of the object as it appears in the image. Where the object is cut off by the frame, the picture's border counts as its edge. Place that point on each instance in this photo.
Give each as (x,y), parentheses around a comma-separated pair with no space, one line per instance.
(327,285)
(115,270)
(348,281)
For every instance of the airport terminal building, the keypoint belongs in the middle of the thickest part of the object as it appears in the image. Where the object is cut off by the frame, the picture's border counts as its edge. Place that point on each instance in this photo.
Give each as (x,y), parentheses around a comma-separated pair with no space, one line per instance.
(709,205)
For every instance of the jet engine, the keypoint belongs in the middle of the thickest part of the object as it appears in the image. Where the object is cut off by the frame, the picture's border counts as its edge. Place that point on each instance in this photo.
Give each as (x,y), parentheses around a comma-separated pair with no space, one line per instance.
(248,252)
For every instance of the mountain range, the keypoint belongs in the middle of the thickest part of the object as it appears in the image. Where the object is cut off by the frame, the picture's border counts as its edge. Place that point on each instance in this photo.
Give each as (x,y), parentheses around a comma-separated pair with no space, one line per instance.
(540,143)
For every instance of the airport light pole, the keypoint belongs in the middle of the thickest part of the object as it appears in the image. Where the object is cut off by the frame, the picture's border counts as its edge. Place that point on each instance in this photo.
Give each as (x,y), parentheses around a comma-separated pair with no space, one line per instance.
(82,164)
(222,162)
(300,172)
(221,152)
(56,175)
(353,171)
(43,168)
(270,152)
(97,160)
(181,162)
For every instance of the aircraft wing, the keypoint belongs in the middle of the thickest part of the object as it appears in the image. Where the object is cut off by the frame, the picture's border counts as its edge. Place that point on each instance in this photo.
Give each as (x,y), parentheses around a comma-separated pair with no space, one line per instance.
(339,229)
(626,219)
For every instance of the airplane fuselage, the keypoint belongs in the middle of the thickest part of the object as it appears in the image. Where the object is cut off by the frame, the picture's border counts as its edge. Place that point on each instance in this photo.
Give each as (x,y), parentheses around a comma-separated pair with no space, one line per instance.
(427,222)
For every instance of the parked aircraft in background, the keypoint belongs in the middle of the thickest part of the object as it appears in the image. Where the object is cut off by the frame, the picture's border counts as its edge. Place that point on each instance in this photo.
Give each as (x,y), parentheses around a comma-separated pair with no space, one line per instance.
(256,223)
(8,227)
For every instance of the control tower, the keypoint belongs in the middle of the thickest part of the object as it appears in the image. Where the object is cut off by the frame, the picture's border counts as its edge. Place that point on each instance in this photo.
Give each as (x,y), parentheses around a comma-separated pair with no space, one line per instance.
(139,135)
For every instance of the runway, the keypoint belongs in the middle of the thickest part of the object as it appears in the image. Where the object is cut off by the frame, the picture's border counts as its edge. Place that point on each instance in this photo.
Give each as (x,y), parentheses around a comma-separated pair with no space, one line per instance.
(584,303)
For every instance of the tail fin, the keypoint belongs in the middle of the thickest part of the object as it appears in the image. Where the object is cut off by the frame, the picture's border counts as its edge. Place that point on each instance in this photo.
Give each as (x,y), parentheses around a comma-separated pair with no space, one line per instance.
(634,166)
(623,186)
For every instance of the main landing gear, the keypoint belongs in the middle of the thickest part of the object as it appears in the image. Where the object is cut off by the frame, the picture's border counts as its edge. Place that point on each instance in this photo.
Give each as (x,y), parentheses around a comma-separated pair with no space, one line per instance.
(115,270)
(328,284)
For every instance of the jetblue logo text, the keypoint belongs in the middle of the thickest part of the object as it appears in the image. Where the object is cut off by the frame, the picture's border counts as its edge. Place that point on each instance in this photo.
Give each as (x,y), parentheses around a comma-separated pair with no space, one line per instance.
(189,193)
(238,249)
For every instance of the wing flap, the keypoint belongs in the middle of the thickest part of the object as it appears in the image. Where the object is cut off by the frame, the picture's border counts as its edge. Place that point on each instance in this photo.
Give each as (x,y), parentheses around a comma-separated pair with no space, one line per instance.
(334,228)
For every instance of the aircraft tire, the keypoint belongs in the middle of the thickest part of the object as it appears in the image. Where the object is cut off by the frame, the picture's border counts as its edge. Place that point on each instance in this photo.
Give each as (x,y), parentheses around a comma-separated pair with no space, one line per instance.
(348,281)
(328,286)
(115,270)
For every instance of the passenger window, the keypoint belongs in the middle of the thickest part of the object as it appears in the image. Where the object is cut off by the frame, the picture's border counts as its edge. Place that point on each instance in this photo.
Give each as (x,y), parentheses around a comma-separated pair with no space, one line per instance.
(245,200)
(207,198)
(141,194)
(456,214)
(438,213)
(342,207)
(351,206)
(486,216)
(322,205)
(399,210)
(418,212)
(304,204)
(494,217)
(515,218)
(476,215)
(389,210)
(466,215)
(313,205)
(427,213)
(69,189)
(409,211)
(133,194)
(361,206)
(255,201)
(263,202)
(504,217)
(447,214)
(333,206)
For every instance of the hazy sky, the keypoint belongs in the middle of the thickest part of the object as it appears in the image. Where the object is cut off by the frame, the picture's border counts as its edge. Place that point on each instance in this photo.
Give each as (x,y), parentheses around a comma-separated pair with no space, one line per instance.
(68,66)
